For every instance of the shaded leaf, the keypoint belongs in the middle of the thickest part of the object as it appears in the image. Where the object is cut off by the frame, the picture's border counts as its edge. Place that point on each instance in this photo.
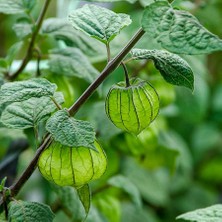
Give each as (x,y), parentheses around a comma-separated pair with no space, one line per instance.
(178,31)
(28,113)
(22,29)
(61,29)
(85,197)
(72,62)
(98,22)
(209,214)
(173,68)
(132,214)
(29,211)
(125,184)
(22,90)
(148,181)
(69,131)
(16,6)
(109,206)
(70,202)
(130,1)
(13,50)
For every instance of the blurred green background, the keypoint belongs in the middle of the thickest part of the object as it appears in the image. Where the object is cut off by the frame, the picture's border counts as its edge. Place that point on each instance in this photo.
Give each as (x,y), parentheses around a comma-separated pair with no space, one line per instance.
(172,167)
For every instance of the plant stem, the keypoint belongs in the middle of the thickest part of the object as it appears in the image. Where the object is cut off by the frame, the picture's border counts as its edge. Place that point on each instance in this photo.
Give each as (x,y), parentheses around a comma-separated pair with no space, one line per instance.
(126,74)
(108,52)
(55,102)
(28,55)
(110,67)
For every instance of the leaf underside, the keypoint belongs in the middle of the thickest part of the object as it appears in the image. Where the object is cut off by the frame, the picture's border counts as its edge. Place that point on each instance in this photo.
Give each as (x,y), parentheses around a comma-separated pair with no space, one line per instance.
(209,214)
(173,68)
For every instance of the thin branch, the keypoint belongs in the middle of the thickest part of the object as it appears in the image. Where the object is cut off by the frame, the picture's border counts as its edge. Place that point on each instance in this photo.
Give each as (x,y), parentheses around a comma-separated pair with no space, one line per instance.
(28,55)
(39,57)
(126,74)
(55,102)
(111,66)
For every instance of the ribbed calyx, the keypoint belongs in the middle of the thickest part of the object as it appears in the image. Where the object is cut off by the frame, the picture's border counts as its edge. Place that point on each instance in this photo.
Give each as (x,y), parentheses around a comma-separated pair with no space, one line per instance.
(70,166)
(132,108)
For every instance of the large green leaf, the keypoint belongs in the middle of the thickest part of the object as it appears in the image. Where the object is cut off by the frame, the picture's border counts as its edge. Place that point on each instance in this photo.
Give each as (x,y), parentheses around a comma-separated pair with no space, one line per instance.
(16,6)
(28,113)
(209,214)
(125,184)
(61,29)
(98,22)
(178,31)
(84,194)
(69,131)
(173,68)
(29,211)
(72,62)
(22,90)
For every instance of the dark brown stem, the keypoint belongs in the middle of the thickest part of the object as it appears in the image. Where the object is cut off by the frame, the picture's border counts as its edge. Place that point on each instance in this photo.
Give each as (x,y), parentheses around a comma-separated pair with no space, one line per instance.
(28,55)
(126,74)
(110,67)
(38,56)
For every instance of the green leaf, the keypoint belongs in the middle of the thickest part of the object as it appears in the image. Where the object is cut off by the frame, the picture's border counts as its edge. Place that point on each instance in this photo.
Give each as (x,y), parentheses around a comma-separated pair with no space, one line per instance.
(98,22)
(109,206)
(85,197)
(72,62)
(178,31)
(16,6)
(68,197)
(125,184)
(131,214)
(145,2)
(69,131)
(22,90)
(29,211)
(22,29)
(12,52)
(209,214)
(61,29)
(2,184)
(147,182)
(130,1)
(173,68)
(28,113)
